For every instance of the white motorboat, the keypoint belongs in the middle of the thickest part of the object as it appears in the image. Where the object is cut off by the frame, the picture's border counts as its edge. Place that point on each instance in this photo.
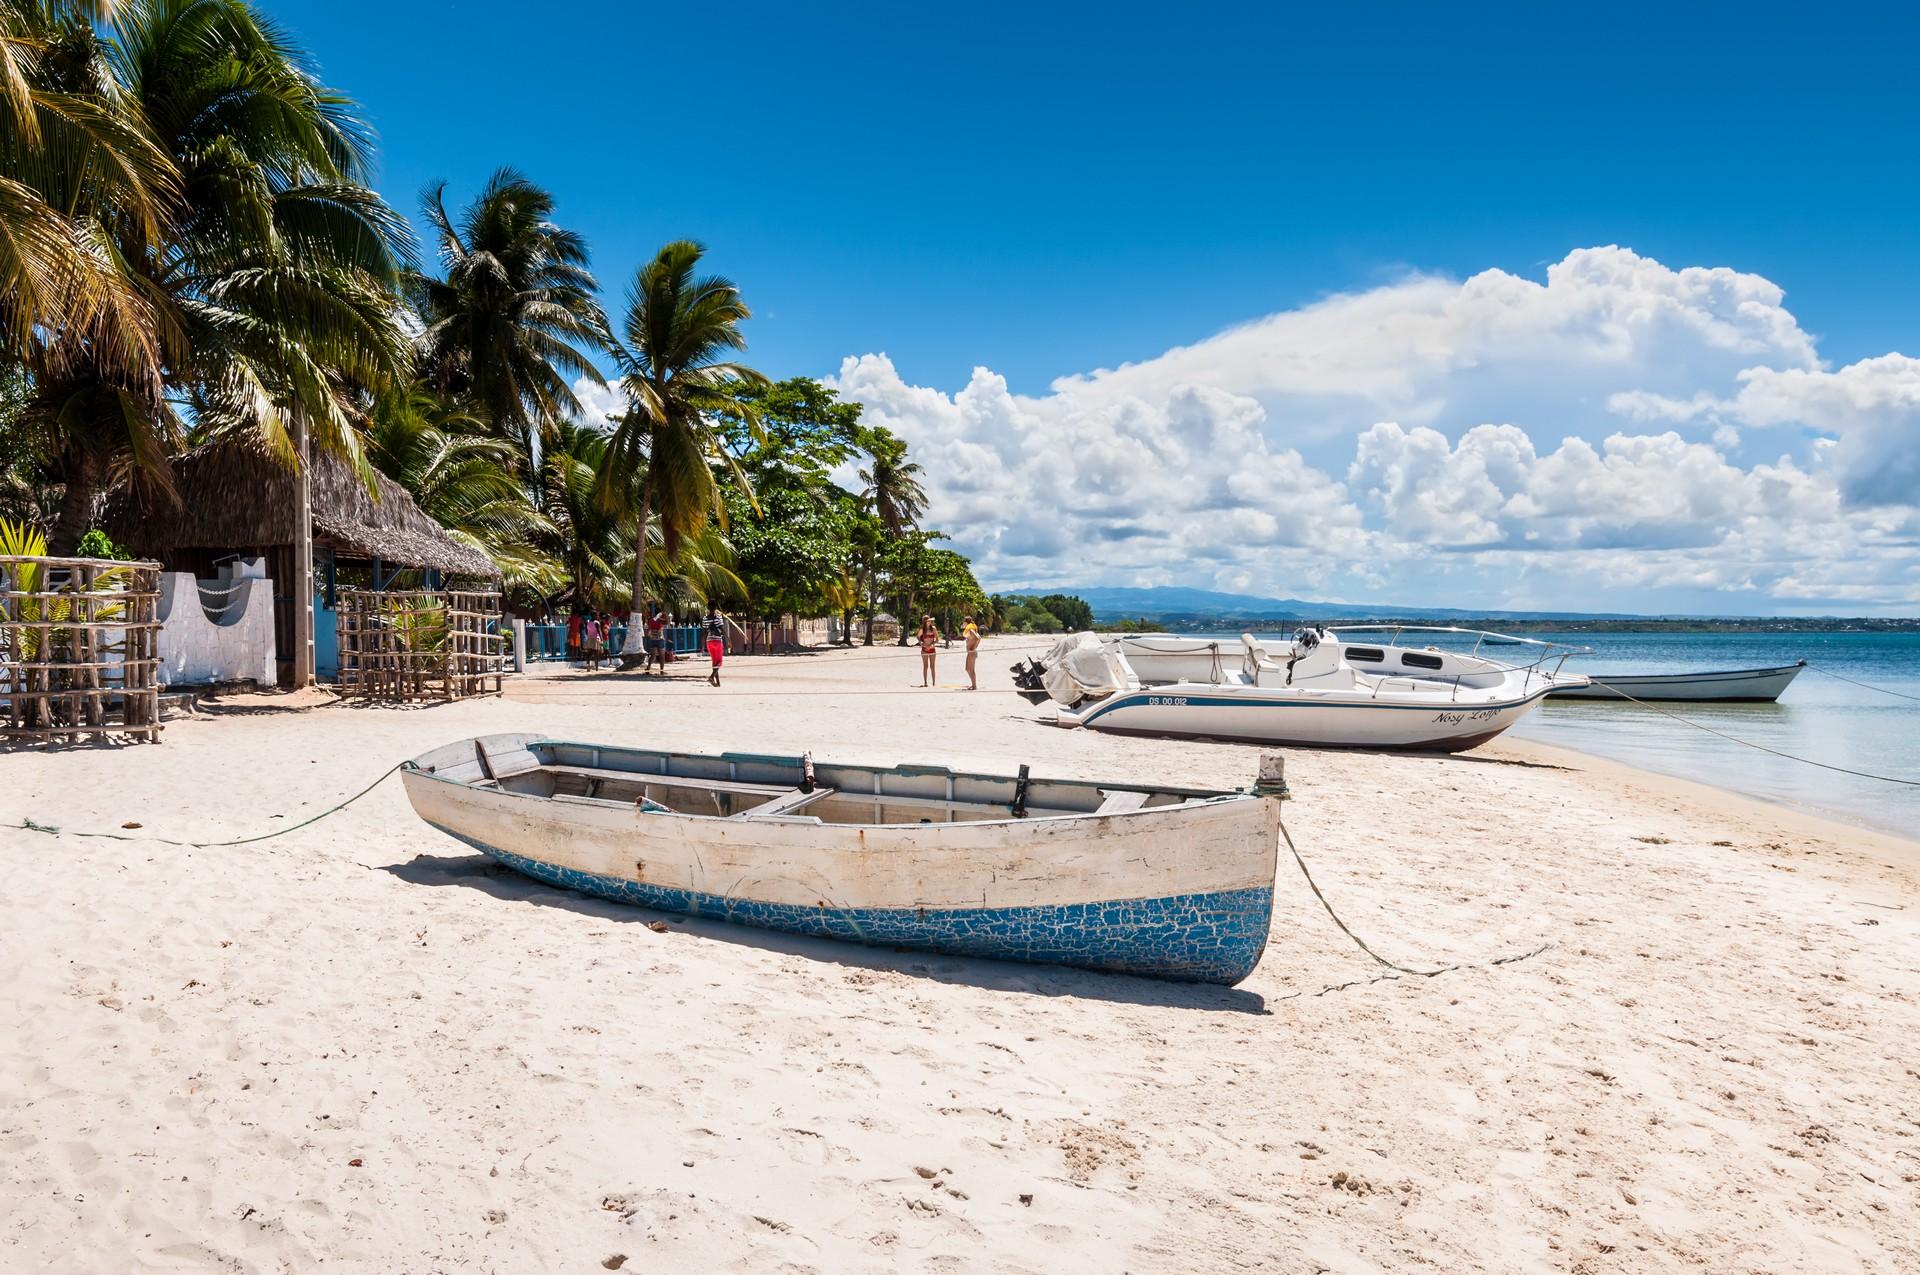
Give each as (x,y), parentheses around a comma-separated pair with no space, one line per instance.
(1729,686)
(1326,688)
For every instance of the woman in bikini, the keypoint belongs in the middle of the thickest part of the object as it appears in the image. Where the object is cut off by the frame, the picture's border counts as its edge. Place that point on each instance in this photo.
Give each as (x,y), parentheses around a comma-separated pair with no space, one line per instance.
(929,645)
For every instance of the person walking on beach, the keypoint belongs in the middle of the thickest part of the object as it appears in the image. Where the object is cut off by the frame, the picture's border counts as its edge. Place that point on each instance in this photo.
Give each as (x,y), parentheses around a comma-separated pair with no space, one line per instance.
(716,643)
(971,632)
(590,641)
(657,640)
(929,648)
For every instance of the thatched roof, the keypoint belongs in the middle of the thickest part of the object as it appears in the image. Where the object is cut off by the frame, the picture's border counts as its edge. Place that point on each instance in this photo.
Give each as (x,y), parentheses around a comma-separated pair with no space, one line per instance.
(234,496)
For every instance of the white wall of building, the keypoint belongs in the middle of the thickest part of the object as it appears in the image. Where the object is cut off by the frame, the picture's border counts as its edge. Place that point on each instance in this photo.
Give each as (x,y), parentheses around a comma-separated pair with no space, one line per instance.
(220,630)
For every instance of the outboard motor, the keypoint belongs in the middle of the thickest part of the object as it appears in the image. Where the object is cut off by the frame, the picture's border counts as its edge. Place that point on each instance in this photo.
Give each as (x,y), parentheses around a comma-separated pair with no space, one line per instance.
(1028,681)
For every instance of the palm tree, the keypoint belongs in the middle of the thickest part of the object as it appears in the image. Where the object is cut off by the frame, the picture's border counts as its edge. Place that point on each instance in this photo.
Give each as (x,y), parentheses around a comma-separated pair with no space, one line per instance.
(591,543)
(893,489)
(660,460)
(73,143)
(515,319)
(595,544)
(465,480)
(272,285)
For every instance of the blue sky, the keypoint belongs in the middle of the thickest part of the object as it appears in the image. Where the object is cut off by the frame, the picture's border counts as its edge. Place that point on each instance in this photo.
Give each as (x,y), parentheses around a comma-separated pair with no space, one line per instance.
(1048,190)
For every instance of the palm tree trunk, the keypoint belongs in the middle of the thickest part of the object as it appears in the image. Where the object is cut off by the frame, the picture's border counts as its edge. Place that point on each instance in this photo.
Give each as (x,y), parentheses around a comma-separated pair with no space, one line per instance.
(633,648)
(873,603)
(76,506)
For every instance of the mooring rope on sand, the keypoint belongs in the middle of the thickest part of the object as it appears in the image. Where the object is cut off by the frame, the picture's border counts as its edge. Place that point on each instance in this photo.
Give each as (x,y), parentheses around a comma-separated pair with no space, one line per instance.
(28,825)
(1363,945)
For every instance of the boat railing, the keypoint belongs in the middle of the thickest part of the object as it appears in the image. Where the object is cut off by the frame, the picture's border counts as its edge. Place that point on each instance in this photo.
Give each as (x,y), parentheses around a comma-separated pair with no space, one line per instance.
(1557,652)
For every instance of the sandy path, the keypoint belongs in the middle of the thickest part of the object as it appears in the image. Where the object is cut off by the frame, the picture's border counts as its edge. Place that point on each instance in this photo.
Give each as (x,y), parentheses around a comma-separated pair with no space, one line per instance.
(1711,1068)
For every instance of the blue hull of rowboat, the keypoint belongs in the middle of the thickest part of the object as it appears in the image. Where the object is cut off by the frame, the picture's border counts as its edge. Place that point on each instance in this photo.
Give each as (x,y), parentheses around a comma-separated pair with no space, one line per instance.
(1200,938)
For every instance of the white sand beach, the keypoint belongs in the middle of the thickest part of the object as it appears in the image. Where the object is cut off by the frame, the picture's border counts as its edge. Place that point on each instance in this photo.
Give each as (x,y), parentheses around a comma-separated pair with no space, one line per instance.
(362,1047)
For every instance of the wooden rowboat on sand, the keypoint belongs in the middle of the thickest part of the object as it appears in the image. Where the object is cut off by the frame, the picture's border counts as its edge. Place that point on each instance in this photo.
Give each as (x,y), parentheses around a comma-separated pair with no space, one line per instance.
(1138,879)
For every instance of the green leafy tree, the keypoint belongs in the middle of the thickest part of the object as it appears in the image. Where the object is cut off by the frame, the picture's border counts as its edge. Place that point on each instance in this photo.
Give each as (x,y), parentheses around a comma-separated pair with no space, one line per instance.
(791,549)
(792,540)
(866,539)
(1073,613)
(949,588)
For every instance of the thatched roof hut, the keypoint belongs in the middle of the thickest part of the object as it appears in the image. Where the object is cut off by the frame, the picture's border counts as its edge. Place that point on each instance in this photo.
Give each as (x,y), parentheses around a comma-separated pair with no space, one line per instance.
(235,498)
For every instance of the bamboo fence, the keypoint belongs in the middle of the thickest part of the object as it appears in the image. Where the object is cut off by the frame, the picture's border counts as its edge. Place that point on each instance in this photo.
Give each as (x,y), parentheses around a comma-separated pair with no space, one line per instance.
(421,644)
(79,649)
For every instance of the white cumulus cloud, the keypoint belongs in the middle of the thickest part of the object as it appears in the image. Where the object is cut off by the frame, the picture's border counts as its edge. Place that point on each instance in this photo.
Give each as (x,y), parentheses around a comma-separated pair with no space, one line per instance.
(1618,435)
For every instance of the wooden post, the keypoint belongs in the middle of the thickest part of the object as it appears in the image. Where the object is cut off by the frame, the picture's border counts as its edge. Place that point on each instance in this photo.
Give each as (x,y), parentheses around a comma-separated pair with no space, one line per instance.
(303,654)
(78,649)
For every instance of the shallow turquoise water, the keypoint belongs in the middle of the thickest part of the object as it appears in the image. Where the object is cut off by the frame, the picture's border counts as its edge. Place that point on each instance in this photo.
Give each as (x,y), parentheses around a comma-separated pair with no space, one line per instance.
(1819,717)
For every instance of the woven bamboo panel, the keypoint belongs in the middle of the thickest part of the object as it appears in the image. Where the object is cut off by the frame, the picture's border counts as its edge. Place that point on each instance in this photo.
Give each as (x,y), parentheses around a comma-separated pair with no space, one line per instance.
(79,654)
(420,644)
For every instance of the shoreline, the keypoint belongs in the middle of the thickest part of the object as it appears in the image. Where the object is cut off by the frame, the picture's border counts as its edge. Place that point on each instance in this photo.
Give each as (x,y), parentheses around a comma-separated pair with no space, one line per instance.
(1707,800)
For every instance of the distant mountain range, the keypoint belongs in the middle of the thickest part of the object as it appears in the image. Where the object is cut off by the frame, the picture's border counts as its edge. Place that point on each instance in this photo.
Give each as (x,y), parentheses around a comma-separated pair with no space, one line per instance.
(1167,602)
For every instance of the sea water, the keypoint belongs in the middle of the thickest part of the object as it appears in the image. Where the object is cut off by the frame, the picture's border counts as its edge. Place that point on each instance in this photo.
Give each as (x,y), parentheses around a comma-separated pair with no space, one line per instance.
(1819,718)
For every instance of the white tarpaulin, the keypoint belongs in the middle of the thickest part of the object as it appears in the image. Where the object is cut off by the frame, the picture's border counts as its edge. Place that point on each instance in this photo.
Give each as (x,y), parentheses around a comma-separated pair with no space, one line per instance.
(1081,666)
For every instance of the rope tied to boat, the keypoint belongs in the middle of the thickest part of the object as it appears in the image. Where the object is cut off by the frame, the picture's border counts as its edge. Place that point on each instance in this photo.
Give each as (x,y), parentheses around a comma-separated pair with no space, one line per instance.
(1364,946)
(1748,743)
(28,825)
(1864,685)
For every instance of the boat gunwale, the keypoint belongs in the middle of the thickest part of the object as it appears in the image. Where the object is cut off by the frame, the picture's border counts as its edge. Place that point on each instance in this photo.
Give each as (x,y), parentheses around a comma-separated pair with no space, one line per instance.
(1730,674)
(1192,799)
(1205,691)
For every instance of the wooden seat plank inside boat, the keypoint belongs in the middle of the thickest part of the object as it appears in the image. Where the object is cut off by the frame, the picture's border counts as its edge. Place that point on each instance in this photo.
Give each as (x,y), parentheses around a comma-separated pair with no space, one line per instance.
(670,781)
(1121,801)
(787,804)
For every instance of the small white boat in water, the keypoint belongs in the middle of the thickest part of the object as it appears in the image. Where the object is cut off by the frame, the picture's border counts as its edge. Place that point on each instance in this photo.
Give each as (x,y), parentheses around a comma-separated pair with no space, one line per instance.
(1133,878)
(1327,688)
(1732,686)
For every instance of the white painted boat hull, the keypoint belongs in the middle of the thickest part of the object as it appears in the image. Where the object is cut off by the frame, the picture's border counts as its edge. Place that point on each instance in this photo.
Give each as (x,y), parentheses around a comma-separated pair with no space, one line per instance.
(1243,714)
(1733,686)
(1317,690)
(1179,891)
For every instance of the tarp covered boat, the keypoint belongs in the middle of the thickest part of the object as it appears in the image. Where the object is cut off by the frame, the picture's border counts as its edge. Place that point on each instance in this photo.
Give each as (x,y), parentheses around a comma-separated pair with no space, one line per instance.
(1139,879)
(1730,686)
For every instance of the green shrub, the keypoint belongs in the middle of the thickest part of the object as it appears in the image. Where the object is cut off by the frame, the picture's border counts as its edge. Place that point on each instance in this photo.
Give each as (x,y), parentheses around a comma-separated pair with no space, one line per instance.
(97,544)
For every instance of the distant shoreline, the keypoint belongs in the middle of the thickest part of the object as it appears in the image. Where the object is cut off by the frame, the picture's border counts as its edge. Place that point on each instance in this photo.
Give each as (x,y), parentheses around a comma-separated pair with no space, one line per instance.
(1762,624)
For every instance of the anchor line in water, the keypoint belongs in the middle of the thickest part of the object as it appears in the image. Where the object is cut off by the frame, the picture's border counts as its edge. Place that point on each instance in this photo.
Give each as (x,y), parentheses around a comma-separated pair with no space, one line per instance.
(1864,685)
(1748,743)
